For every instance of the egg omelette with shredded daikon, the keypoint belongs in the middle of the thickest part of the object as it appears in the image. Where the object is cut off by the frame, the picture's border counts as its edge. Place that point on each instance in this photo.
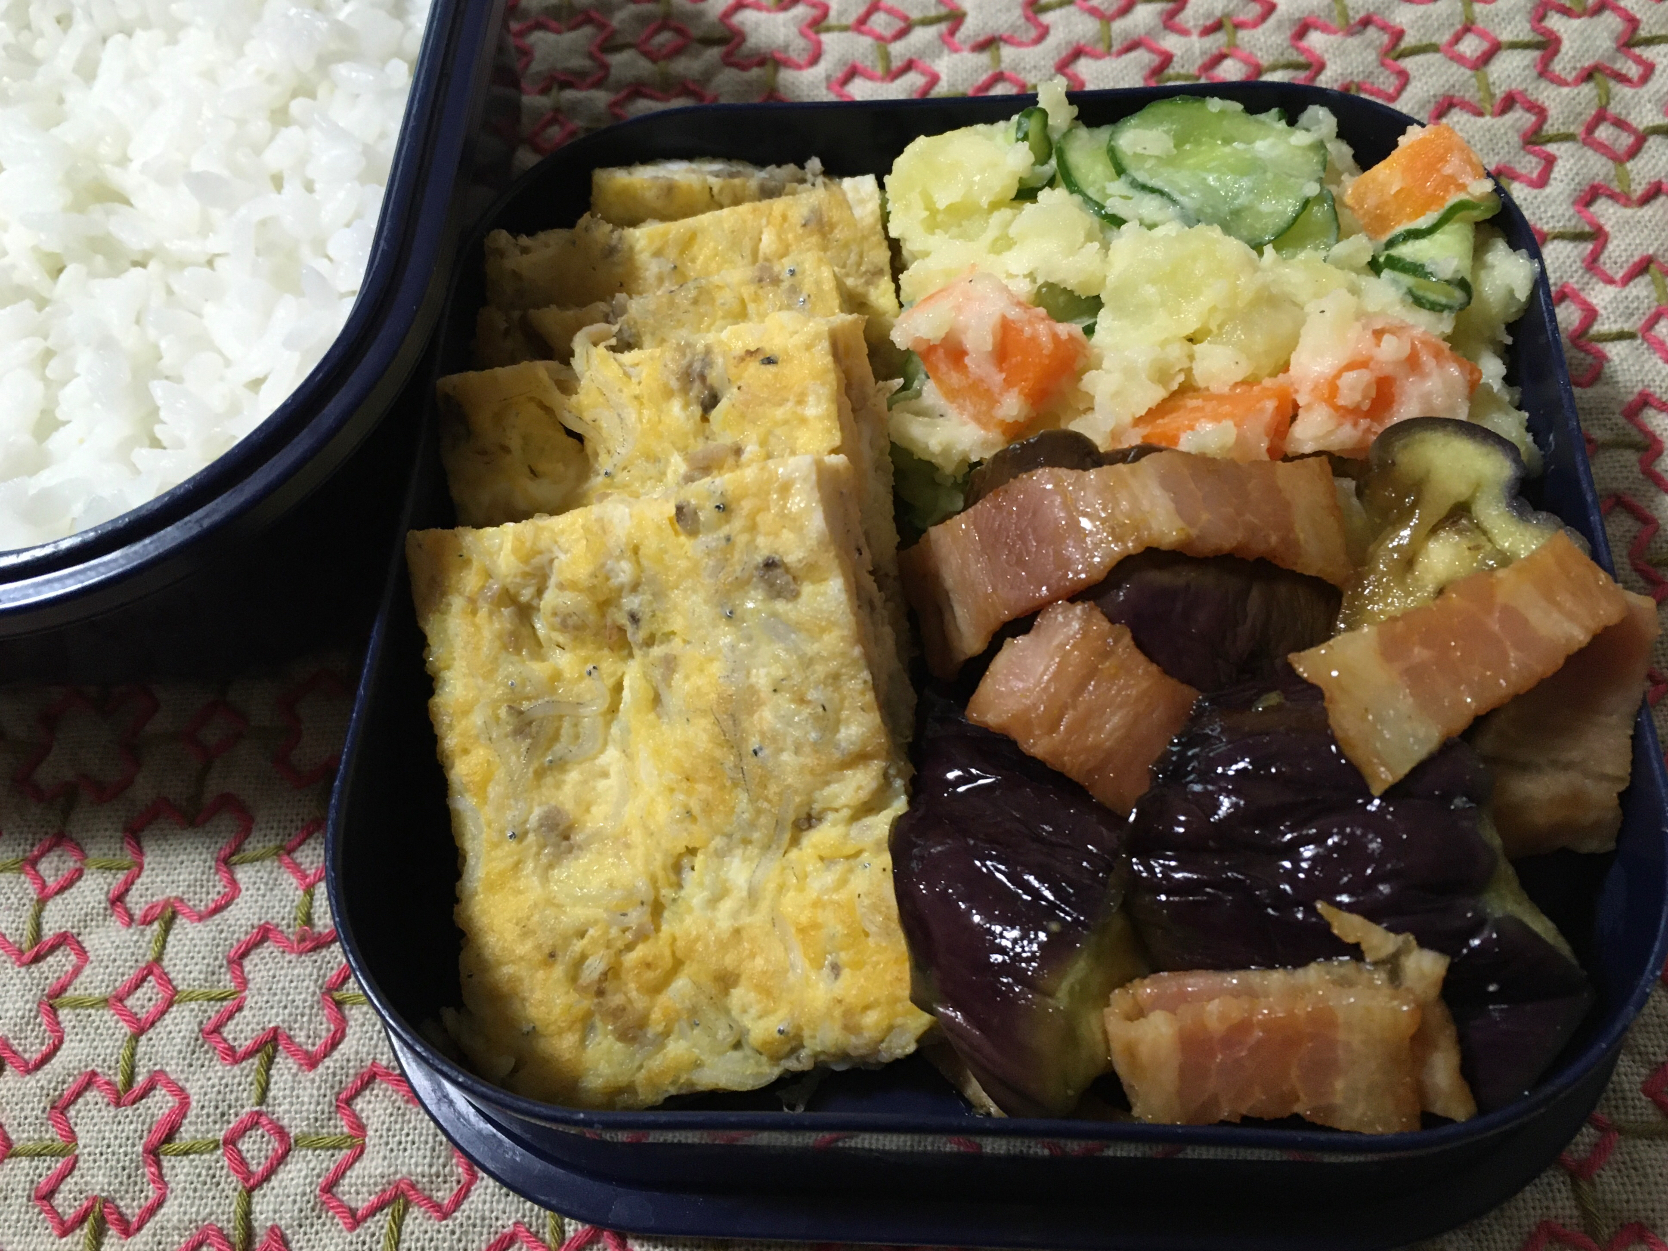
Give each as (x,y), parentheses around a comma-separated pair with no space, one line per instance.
(667,643)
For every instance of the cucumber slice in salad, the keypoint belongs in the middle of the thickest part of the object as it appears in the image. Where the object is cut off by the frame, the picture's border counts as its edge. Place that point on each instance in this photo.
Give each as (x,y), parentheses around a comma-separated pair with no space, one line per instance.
(1065,305)
(1315,230)
(1086,169)
(914,377)
(1432,270)
(1031,129)
(1464,210)
(1250,175)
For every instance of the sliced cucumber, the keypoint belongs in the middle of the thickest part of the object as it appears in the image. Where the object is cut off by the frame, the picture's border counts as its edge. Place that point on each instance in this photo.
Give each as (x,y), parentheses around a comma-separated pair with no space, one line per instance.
(1250,175)
(914,375)
(1316,228)
(1065,305)
(924,494)
(1433,270)
(1147,207)
(1031,130)
(1462,210)
(1086,169)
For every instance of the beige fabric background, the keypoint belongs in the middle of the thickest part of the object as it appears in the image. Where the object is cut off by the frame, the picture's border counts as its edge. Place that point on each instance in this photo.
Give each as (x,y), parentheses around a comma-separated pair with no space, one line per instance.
(184,1063)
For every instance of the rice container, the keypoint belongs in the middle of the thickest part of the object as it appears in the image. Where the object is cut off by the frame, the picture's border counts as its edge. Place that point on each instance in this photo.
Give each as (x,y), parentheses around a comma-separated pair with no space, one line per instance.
(280,544)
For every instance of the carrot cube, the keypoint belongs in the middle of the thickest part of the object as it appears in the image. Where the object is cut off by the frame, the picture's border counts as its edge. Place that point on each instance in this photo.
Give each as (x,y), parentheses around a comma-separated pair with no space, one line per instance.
(1429,168)
(1250,421)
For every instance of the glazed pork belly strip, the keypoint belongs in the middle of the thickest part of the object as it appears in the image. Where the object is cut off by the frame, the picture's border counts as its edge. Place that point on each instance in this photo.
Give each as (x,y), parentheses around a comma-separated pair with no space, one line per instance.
(1077,694)
(1359,1046)
(1562,753)
(1054,532)
(1397,689)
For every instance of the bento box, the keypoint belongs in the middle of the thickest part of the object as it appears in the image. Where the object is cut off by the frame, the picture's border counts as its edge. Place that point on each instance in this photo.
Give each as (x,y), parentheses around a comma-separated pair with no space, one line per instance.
(894,1154)
(280,544)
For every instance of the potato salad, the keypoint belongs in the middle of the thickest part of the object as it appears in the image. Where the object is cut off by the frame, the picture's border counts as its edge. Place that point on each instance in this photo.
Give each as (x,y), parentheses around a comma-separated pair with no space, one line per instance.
(1195,277)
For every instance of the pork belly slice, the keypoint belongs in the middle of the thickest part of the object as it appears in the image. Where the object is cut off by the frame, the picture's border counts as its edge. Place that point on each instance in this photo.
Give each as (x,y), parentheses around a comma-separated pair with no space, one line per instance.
(1562,753)
(1054,532)
(1077,694)
(1419,971)
(1360,1046)
(1396,689)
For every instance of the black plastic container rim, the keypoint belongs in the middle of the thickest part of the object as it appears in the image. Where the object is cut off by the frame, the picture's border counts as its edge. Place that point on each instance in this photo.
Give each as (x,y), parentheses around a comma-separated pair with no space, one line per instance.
(370,337)
(1317,1141)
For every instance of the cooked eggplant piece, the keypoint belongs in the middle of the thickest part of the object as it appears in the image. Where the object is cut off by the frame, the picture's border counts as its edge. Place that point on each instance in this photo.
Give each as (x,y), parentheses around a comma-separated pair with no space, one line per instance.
(1255,816)
(1443,498)
(1010,896)
(1517,997)
(1211,622)
(1056,449)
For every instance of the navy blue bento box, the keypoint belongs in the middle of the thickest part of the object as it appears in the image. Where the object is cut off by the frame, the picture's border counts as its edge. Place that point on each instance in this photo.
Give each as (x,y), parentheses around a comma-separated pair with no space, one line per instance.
(280,545)
(894,1155)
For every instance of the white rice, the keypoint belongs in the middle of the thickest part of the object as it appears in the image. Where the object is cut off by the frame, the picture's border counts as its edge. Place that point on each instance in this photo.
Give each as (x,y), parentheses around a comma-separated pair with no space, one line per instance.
(188,190)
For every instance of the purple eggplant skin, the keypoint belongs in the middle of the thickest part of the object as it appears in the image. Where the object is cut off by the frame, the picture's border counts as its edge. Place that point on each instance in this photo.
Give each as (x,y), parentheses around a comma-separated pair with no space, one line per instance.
(1009,888)
(1217,621)
(1255,815)
(1523,999)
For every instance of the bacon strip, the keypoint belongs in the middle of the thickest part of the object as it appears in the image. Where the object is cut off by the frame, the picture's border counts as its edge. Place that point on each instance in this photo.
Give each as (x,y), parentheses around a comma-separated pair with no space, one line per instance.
(1355,1046)
(1078,695)
(1054,532)
(1562,753)
(1323,1041)
(1420,971)
(1396,690)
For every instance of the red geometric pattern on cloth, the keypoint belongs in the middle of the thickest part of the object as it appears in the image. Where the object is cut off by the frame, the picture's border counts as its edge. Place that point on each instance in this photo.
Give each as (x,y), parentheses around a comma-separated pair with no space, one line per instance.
(309,1058)
(10,1055)
(403,1187)
(164,813)
(163,1087)
(96,1206)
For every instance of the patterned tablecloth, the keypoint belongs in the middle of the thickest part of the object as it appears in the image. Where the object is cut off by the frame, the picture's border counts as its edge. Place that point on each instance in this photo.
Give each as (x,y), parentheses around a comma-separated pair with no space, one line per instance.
(184,1062)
